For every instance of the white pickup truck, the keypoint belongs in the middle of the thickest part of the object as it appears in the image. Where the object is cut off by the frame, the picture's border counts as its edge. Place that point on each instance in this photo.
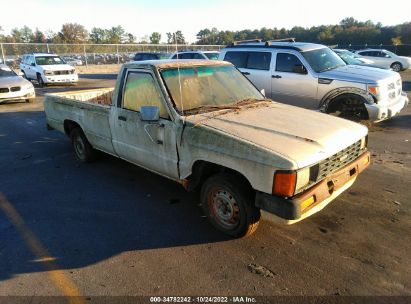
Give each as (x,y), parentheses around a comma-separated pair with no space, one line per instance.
(204,125)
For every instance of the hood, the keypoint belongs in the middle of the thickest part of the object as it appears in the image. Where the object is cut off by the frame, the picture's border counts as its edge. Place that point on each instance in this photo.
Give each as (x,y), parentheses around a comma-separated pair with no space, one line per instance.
(301,136)
(359,73)
(57,67)
(13,81)
(406,58)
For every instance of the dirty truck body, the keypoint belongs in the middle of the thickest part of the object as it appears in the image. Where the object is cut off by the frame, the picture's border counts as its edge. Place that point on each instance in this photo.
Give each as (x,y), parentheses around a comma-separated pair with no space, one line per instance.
(204,125)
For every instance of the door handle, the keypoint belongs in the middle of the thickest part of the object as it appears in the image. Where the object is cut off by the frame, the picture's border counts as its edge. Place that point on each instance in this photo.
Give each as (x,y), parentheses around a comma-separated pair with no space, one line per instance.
(245,73)
(276,76)
(123,118)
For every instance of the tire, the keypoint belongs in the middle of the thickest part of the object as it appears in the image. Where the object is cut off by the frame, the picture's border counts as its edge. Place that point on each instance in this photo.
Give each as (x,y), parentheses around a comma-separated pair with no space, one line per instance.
(396,67)
(83,151)
(349,106)
(40,81)
(228,204)
(29,100)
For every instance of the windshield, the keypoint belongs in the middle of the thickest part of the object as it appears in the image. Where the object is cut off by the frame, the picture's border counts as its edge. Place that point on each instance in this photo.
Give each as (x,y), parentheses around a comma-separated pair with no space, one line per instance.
(164,56)
(322,60)
(207,87)
(212,56)
(391,53)
(349,59)
(6,72)
(49,60)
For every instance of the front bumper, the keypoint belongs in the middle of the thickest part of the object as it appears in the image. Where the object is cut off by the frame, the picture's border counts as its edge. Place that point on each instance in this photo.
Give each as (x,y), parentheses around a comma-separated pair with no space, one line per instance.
(290,211)
(382,111)
(19,95)
(68,78)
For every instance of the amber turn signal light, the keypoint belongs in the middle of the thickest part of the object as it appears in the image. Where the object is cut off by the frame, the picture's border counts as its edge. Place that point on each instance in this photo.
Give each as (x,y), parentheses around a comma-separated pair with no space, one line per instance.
(284,183)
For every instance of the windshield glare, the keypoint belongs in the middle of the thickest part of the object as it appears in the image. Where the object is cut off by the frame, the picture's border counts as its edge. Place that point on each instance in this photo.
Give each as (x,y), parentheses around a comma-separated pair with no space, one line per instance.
(323,59)
(49,60)
(349,59)
(204,86)
(6,72)
(212,56)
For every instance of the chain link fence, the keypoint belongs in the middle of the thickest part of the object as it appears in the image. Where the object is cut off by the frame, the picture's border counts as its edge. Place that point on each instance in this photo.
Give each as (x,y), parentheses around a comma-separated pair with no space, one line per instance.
(91,54)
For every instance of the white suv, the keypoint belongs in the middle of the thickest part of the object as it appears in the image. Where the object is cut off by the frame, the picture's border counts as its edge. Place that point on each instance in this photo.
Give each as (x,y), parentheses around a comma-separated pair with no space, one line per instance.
(47,69)
(386,59)
(313,76)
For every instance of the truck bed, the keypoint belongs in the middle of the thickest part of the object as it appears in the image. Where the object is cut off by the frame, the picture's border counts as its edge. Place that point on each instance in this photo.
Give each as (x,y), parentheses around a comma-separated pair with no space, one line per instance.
(100,96)
(88,108)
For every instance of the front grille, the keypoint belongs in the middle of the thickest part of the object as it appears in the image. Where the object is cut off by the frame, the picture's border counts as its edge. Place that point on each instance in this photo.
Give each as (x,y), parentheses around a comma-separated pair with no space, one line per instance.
(15,89)
(391,95)
(338,160)
(61,72)
(4,90)
(391,86)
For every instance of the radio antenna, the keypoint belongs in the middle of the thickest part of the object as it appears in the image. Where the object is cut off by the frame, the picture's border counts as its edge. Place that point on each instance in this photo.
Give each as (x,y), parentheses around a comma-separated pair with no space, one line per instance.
(179,77)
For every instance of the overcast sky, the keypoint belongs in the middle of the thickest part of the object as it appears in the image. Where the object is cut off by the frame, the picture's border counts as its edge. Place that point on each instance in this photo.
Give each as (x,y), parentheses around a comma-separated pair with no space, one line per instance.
(144,17)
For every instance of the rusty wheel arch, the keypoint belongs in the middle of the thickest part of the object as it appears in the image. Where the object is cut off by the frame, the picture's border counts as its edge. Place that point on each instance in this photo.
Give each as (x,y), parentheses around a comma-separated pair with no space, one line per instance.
(70,125)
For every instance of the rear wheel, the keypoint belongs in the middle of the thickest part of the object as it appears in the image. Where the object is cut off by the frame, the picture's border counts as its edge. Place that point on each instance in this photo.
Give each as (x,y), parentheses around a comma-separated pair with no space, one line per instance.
(227,201)
(83,151)
(396,66)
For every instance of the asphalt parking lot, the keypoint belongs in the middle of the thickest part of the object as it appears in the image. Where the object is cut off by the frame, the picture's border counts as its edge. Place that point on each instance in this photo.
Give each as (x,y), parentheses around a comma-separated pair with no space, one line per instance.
(110,228)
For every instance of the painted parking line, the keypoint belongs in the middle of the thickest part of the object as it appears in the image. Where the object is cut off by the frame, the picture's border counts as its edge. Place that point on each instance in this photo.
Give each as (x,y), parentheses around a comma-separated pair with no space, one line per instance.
(56,275)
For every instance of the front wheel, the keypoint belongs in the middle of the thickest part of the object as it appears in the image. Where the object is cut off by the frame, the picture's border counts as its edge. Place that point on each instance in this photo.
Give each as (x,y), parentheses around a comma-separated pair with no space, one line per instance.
(40,81)
(228,203)
(83,151)
(396,66)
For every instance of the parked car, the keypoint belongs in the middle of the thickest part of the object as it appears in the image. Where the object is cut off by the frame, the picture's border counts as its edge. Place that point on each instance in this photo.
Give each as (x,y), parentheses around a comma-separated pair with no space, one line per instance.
(312,76)
(72,61)
(207,55)
(386,59)
(14,87)
(204,125)
(347,56)
(47,69)
(150,56)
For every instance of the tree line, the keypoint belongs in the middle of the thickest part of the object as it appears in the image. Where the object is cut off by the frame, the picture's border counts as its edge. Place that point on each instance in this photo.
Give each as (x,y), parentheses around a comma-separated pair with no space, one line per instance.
(77,33)
(348,31)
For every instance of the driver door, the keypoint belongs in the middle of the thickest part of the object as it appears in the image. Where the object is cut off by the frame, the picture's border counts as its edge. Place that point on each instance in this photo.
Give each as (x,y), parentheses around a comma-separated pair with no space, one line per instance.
(292,83)
(149,144)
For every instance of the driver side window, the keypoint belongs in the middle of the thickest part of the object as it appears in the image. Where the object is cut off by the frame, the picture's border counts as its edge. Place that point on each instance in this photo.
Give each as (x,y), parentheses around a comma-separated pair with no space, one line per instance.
(287,63)
(141,90)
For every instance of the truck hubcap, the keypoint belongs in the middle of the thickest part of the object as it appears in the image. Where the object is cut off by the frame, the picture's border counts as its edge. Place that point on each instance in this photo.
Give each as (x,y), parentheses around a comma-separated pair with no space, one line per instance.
(224,207)
(79,146)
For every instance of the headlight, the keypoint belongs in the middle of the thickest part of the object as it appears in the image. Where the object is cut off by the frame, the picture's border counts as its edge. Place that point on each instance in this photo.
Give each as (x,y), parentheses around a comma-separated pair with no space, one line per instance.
(364,142)
(288,183)
(28,87)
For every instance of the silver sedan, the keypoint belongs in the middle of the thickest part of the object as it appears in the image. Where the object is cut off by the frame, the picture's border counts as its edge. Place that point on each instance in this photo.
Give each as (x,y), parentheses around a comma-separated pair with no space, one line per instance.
(14,87)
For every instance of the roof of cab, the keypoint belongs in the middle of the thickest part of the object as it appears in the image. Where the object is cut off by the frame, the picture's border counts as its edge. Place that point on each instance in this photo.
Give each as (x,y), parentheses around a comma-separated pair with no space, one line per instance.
(175,63)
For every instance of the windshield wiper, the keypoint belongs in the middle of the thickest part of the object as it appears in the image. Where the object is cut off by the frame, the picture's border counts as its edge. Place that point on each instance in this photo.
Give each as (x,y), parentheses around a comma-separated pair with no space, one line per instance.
(209,107)
(230,106)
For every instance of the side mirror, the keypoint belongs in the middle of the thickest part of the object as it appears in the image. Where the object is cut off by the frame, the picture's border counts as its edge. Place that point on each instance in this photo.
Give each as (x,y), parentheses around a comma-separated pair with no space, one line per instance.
(33,64)
(299,69)
(263,92)
(150,113)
